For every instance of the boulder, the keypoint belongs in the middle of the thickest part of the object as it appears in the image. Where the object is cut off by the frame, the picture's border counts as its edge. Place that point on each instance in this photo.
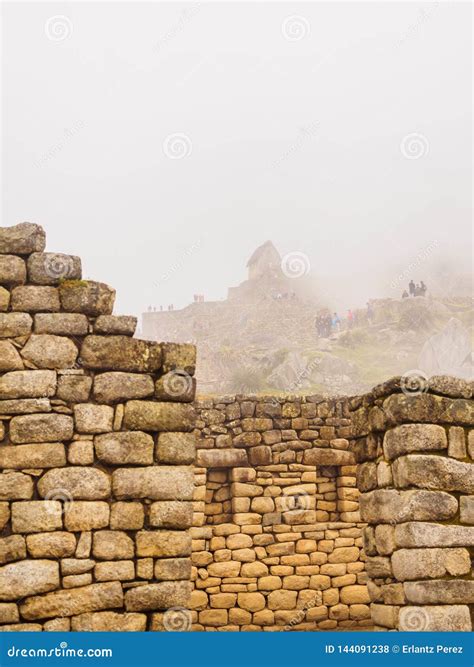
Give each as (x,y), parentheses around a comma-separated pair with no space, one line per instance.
(47,455)
(50,268)
(12,270)
(15,324)
(114,387)
(10,360)
(79,482)
(115,325)
(41,428)
(414,438)
(163,595)
(154,416)
(28,384)
(61,324)
(22,239)
(120,353)
(86,296)
(74,601)
(28,577)
(33,299)
(125,447)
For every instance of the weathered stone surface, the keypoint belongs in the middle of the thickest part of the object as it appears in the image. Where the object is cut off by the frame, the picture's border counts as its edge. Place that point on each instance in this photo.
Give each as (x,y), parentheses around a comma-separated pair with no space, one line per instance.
(48,455)
(328,457)
(10,360)
(92,418)
(367,476)
(466,504)
(419,534)
(15,486)
(112,545)
(50,268)
(173,569)
(76,565)
(154,416)
(113,387)
(163,595)
(115,570)
(221,458)
(125,447)
(115,325)
(86,296)
(22,406)
(451,591)
(47,351)
(428,408)
(163,543)
(80,483)
(41,428)
(86,515)
(355,594)
(28,384)
(413,437)
(109,621)
(180,356)
(74,601)
(433,472)
(446,618)
(22,239)
(410,564)
(12,548)
(156,483)
(457,443)
(61,324)
(74,388)
(28,577)
(120,353)
(171,514)
(12,270)
(450,386)
(51,545)
(36,516)
(176,448)
(33,299)
(378,567)
(127,516)
(9,612)
(4,514)
(176,386)
(387,506)
(256,424)
(4,299)
(81,452)
(15,324)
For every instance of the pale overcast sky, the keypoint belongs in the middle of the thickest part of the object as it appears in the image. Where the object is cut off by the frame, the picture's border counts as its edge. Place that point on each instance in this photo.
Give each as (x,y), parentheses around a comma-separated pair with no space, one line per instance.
(162,142)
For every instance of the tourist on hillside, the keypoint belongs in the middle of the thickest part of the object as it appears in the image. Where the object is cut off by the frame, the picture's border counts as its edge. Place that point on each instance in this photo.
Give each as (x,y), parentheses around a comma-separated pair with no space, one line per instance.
(405,294)
(336,322)
(350,319)
(411,288)
(423,288)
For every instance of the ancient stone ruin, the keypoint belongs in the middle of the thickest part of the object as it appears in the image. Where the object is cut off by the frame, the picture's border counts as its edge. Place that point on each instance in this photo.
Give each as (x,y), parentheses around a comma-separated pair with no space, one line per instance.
(128,504)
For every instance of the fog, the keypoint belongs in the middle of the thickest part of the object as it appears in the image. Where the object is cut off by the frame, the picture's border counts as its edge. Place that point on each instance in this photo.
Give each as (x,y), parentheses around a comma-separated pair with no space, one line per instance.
(163,142)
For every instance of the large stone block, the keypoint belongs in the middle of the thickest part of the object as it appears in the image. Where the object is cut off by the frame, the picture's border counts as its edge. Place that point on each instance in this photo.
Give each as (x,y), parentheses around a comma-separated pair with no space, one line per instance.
(36,516)
(419,534)
(450,386)
(173,569)
(74,388)
(109,621)
(411,564)
(445,618)
(221,458)
(83,515)
(47,351)
(41,428)
(4,299)
(328,457)
(22,239)
(47,455)
(33,299)
(125,447)
(9,612)
(113,387)
(80,483)
(86,296)
(171,514)
(4,514)
(51,545)
(15,486)
(74,601)
(414,438)
(466,505)
(163,543)
(154,416)
(112,545)
(176,386)
(450,591)
(179,356)
(51,268)
(391,506)
(15,324)
(367,476)
(120,353)
(176,448)
(92,418)
(12,270)
(28,577)
(155,483)
(61,324)
(163,595)
(433,472)
(12,548)
(28,384)
(10,360)
(428,408)
(127,516)
(24,406)
(257,424)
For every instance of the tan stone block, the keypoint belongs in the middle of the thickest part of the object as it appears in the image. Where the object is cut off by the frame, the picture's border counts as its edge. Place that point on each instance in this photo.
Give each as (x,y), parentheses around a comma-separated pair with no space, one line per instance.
(156,416)
(113,387)
(57,625)
(409,564)
(163,543)
(144,568)
(390,505)
(36,516)
(84,515)
(176,448)
(124,447)
(171,514)
(84,545)
(109,621)
(224,569)
(239,616)
(31,298)
(9,612)
(320,582)
(256,569)
(120,570)
(251,601)
(61,324)
(28,577)
(51,545)
(213,617)
(47,351)
(413,437)
(112,545)
(155,483)
(173,569)
(74,601)
(295,582)
(162,595)
(223,600)
(10,360)
(81,452)
(344,555)
(269,583)
(355,594)
(127,516)
(76,565)
(331,596)
(282,599)
(15,324)
(76,580)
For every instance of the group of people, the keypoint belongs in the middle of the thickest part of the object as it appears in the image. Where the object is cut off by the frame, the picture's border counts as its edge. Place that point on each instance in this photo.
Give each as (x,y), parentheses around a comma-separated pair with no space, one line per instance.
(415,290)
(326,324)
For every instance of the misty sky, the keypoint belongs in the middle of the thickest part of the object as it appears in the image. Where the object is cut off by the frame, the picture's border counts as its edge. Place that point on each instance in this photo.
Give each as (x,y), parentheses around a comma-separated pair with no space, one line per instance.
(294,120)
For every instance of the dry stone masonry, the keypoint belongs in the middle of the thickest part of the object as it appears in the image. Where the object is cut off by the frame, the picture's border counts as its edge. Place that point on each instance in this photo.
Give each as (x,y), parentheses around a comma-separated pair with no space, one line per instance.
(96,452)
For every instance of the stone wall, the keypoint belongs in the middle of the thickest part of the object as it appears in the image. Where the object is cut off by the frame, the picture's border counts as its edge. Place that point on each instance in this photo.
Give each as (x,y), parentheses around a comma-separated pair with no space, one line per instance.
(277,536)
(96,450)
(417,481)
